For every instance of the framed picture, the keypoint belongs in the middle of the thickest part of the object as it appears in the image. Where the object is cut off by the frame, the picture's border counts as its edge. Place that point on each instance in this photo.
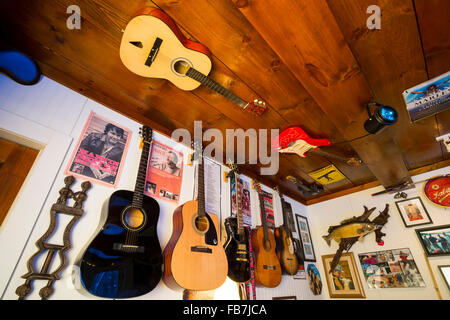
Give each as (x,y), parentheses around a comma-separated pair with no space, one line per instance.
(445,271)
(305,238)
(314,281)
(435,240)
(394,268)
(413,212)
(344,282)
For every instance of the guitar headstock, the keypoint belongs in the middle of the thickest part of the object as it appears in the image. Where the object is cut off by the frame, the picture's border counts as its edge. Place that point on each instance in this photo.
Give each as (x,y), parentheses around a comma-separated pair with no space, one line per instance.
(146,134)
(257,106)
(198,149)
(256,185)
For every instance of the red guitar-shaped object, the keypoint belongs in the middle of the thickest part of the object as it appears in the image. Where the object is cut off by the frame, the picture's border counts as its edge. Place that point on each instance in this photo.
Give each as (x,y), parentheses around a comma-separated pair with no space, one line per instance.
(295,140)
(153,46)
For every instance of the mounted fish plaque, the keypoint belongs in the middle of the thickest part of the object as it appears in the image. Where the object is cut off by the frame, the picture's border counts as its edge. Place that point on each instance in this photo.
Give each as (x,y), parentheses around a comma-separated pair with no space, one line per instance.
(354,229)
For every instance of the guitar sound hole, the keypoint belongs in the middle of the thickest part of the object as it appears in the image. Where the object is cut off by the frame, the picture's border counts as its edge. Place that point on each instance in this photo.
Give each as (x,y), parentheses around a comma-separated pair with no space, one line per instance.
(181,67)
(201,223)
(133,218)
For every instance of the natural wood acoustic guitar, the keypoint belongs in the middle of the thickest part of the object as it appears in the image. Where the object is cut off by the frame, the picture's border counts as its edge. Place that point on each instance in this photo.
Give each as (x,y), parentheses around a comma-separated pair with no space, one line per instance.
(268,268)
(285,246)
(153,46)
(194,257)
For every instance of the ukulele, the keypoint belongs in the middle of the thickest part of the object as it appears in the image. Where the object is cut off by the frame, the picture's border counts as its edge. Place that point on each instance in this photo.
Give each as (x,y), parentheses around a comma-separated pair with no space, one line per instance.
(194,257)
(236,244)
(153,46)
(268,268)
(286,252)
(295,140)
(124,260)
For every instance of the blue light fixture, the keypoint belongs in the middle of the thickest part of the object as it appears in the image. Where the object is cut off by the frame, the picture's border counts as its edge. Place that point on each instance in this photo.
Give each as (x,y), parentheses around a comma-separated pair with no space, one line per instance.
(381,117)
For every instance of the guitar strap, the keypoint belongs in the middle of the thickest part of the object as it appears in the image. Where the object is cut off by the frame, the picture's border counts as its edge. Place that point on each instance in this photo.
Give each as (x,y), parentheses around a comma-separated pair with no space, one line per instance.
(251,282)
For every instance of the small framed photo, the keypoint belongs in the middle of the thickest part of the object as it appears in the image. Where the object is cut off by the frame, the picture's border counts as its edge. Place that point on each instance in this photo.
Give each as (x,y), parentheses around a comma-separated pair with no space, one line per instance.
(344,281)
(413,212)
(435,240)
(305,238)
(445,271)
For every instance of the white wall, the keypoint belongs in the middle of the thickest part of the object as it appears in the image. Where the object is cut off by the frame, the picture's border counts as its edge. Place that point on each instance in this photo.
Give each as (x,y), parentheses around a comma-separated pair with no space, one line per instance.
(328,213)
(56,116)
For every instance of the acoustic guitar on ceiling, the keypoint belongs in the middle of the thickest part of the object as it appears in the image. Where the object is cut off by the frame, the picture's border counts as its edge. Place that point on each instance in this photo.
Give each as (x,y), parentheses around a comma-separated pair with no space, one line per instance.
(295,140)
(153,46)
(268,269)
(124,260)
(194,258)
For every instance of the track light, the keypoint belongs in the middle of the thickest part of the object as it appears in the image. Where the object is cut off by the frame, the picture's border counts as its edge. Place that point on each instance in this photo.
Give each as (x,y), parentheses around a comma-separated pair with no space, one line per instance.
(381,116)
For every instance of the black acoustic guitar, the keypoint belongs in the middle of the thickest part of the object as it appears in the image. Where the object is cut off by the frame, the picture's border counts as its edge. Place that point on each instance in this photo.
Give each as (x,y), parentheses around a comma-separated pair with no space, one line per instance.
(125,260)
(237,242)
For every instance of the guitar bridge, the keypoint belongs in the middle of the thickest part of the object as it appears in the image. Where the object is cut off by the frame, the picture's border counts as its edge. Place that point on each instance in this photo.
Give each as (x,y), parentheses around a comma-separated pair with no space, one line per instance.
(201,249)
(128,247)
(269,267)
(153,53)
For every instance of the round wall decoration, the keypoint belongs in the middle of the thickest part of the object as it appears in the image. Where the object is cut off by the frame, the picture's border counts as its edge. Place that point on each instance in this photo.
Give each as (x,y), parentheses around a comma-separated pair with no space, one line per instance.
(437,190)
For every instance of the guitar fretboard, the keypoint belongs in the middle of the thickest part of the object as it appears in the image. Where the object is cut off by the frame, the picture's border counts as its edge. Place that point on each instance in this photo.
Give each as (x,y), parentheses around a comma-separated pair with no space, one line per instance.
(201,188)
(138,195)
(240,218)
(200,77)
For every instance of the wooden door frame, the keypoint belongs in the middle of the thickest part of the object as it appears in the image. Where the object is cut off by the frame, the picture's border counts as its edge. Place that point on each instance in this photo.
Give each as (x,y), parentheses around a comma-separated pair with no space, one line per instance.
(26,208)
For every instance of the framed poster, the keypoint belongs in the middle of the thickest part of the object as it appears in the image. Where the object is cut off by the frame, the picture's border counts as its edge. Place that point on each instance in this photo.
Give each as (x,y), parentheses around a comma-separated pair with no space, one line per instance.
(314,281)
(428,98)
(445,272)
(327,175)
(164,173)
(344,281)
(413,212)
(100,151)
(305,238)
(390,269)
(435,240)
(245,199)
(268,206)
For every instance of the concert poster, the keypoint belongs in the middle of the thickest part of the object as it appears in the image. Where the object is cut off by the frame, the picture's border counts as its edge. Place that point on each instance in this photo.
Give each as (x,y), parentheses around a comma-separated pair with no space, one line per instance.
(100,151)
(164,173)
(268,206)
(245,200)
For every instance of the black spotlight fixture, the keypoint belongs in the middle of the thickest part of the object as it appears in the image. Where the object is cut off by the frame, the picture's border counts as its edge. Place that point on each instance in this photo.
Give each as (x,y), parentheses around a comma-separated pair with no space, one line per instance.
(381,117)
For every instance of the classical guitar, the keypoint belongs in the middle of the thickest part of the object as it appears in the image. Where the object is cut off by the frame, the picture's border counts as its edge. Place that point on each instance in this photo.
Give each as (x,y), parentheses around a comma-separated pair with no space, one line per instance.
(194,257)
(286,251)
(153,46)
(295,140)
(268,268)
(236,244)
(124,260)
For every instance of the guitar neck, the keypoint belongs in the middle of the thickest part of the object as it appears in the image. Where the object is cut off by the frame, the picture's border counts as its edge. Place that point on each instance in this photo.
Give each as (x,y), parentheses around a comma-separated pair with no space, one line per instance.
(138,195)
(201,188)
(200,77)
(240,218)
(285,217)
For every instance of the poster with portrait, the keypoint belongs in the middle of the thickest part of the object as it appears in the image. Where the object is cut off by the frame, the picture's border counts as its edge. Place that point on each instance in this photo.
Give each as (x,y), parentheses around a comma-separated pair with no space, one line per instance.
(413,212)
(100,151)
(245,199)
(390,269)
(268,206)
(164,173)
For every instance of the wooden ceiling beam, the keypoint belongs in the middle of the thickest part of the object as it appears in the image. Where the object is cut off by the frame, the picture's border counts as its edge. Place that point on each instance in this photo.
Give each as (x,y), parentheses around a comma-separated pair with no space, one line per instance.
(301,32)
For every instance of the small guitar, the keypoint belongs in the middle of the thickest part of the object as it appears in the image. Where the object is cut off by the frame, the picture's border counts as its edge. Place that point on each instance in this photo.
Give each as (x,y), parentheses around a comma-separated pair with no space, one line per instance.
(295,140)
(310,190)
(153,46)
(124,260)
(194,257)
(268,268)
(236,245)
(286,252)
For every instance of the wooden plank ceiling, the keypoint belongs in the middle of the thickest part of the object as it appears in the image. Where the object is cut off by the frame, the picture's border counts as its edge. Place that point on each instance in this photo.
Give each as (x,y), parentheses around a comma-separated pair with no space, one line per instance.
(315,63)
